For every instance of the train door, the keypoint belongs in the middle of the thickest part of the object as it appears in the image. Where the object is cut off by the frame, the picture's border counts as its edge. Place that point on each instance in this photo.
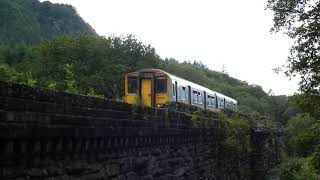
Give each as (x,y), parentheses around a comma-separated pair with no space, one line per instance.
(189,94)
(216,101)
(176,90)
(146,91)
(205,99)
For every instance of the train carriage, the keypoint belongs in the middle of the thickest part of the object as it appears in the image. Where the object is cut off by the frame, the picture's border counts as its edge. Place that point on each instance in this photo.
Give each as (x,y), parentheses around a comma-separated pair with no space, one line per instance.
(157,88)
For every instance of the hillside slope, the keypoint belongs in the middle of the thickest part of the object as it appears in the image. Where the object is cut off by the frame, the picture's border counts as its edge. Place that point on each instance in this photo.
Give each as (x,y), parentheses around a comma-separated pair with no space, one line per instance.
(30,21)
(96,65)
(93,65)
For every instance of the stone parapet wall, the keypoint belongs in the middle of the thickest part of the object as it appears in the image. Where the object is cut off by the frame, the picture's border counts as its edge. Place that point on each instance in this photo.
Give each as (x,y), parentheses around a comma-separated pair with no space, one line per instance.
(46,134)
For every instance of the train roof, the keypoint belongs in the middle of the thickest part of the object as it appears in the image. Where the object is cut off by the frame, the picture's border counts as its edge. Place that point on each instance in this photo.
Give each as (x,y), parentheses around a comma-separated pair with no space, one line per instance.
(186,82)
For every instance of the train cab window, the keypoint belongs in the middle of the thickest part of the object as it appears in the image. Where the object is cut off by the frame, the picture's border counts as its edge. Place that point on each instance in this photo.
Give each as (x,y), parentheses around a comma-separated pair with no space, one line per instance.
(161,85)
(132,85)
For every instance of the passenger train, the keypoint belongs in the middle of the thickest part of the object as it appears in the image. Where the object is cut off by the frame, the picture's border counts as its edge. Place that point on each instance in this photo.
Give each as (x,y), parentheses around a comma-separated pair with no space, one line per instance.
(157,88)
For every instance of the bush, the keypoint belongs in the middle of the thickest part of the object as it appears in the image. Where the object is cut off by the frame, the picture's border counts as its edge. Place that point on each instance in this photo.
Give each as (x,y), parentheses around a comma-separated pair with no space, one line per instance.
(238,133)
(315,159)
(297,169)
(301,134)
(7,73)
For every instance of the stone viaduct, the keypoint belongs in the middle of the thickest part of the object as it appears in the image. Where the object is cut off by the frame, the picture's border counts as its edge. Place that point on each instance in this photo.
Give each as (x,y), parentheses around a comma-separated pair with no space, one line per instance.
(52,135)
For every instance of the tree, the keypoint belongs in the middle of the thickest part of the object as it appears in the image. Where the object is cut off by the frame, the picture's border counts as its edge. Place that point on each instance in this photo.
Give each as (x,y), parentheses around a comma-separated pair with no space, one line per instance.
(88,64)
(300,20)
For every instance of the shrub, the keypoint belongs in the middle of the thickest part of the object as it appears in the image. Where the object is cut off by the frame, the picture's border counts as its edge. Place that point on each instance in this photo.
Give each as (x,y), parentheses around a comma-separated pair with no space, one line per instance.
(238,133)
(315,159)
(297,169)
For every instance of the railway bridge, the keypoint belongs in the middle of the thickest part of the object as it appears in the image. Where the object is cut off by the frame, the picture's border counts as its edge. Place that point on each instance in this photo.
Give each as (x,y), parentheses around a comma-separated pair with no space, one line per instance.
(46,134)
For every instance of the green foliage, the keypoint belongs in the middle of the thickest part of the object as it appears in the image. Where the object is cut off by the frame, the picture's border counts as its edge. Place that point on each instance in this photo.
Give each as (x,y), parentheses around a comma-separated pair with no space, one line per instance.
(7,73)
(30,21)
(238,133)
(297,169)
(30,80)
(196,118)
(305,142)
(92,93)
(301,131)
(300,21)
(309,103)
(302,139)
(70,79)
(52,85)
(84,63)
(315,159)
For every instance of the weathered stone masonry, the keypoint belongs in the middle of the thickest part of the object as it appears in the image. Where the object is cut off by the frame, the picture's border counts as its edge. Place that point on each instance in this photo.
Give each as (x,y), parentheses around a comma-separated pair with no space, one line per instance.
(47,134)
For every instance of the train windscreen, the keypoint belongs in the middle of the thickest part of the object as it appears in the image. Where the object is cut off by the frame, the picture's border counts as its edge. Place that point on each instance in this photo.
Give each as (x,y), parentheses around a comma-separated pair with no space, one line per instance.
(132,85)
(161,85)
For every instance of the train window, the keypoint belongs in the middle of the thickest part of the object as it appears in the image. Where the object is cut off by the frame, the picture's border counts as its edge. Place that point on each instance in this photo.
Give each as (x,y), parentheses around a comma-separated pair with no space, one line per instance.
(161,85)
(132,85)
(200,98)
(195,96)
(212,101)
(183,93)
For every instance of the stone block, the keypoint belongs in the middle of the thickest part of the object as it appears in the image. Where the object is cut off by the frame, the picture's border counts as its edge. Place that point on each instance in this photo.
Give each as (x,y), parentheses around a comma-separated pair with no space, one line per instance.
(54,171)
(112,169)
(77,168)
(132,176)
(147,177)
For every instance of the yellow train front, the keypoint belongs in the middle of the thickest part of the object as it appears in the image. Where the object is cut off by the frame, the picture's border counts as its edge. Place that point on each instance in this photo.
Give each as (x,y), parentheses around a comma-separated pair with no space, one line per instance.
(148,87)
(156,88)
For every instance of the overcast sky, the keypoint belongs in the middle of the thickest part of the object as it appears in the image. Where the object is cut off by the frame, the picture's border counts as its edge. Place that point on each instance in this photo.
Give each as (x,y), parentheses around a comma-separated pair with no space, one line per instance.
(220,33)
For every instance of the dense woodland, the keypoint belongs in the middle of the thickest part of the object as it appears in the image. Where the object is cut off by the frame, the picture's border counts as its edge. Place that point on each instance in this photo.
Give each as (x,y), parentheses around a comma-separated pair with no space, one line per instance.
(30,22)
(49,45)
